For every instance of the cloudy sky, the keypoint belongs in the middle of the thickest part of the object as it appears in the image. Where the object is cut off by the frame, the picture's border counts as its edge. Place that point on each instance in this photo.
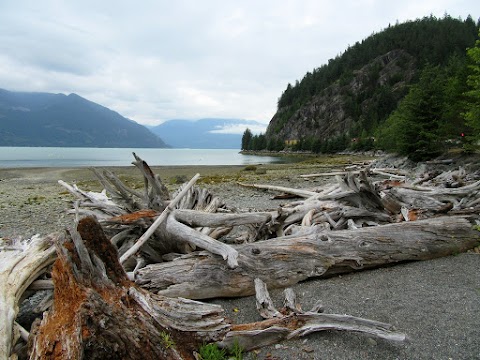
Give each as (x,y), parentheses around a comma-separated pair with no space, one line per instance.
(156,60)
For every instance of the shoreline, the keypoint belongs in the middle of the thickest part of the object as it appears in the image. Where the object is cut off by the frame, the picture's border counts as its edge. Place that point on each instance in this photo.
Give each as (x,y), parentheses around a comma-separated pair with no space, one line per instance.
(32,201)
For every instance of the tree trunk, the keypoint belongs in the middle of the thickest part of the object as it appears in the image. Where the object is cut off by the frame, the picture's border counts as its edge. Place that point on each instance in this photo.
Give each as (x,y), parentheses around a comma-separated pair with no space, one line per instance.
(284,261)
(99,314)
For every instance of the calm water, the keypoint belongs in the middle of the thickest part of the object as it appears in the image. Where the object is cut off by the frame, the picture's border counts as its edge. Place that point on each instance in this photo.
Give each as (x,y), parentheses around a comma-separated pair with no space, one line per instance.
(14,157)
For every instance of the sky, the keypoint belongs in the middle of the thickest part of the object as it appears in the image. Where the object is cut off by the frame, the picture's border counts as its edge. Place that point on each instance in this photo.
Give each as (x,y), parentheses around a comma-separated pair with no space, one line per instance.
(156,60)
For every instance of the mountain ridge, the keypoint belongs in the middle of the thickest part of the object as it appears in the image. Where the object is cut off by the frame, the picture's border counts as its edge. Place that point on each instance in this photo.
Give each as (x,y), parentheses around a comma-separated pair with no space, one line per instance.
(47,119)
(206,133)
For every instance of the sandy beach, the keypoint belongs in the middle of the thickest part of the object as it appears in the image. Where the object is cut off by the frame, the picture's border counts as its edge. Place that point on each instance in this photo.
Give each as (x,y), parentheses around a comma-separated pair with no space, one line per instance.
(436,303)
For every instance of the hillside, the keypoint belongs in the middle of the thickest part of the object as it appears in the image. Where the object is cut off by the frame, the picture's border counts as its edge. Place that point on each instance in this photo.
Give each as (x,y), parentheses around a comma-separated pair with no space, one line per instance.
(204,133)
(351,97)
(44,119)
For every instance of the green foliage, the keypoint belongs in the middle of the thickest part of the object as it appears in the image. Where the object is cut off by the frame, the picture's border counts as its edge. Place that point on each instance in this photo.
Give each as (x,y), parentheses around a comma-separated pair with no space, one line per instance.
(213,352)
(417,121)
(472,114)
(429,116)
(429,42)
(236,351)
(246,139)
(35,200)
(167,340)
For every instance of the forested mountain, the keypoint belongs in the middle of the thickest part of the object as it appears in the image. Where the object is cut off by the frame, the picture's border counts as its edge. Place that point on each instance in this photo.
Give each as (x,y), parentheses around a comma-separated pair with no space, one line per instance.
(346,102)
(204,133)
(44,119)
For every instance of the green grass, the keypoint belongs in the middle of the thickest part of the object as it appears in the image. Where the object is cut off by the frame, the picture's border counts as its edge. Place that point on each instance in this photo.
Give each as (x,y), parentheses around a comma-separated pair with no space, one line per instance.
(167,340)
(213,352)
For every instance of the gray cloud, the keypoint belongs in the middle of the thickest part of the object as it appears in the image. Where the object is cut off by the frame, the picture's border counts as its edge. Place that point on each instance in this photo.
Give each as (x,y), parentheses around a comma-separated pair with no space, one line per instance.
(157,60)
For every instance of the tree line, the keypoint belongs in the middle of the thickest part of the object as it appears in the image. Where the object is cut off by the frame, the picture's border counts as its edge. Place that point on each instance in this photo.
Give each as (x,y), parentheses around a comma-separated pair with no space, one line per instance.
(440,108)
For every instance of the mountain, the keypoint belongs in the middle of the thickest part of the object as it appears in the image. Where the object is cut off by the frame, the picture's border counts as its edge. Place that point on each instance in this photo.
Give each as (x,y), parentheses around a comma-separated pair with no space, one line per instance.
(353,95)
(206,133)
(45,119)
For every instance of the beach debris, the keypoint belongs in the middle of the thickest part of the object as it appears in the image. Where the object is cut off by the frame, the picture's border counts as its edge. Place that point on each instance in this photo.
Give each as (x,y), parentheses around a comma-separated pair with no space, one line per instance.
(149,251)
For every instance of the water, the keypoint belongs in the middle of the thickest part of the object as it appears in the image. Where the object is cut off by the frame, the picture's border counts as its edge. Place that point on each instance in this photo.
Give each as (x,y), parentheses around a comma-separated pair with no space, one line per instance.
(15,157)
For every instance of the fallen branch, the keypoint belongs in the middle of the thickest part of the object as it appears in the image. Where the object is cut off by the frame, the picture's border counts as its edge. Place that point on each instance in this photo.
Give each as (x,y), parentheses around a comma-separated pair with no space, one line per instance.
(297,323)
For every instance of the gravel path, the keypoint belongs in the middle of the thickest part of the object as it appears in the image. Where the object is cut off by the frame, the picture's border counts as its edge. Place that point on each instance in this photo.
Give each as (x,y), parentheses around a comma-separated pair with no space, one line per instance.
(436,303)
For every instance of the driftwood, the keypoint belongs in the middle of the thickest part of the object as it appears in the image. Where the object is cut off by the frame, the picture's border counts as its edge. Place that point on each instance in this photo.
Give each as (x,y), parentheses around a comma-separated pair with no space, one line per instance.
(104,315)
(21,262)
(291,322)
(191,244)
(285,261)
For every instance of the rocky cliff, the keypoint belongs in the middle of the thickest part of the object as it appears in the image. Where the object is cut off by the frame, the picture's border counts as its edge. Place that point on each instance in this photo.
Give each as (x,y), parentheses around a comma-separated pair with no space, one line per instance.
(351,104)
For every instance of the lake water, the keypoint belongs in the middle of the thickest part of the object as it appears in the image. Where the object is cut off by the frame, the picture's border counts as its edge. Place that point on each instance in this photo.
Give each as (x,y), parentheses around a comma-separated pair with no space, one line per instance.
(15,157)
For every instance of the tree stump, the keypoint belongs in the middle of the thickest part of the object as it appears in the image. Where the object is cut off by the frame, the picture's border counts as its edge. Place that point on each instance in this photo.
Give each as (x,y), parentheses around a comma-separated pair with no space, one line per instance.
(99,314)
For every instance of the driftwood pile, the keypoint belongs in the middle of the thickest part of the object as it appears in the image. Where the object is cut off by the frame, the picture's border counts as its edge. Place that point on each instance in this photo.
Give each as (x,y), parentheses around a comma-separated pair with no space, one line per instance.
(123,274)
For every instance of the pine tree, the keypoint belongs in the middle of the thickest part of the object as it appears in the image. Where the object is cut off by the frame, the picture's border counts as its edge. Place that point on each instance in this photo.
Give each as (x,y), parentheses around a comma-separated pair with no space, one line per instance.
(415,125)
(472,115)
(247,139)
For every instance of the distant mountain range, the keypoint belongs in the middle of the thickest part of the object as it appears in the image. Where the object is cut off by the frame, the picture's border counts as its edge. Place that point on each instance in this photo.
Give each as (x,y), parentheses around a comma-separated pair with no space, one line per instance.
(45,119)
(206,133)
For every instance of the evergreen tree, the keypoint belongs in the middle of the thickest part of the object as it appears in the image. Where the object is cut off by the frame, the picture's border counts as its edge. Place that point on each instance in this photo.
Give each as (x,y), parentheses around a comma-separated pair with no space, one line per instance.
(415,125)
(472,115)
(247,139)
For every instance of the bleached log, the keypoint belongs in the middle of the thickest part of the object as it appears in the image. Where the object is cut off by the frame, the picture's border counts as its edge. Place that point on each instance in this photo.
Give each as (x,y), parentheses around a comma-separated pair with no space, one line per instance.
(265,305)
(20,264)
(298,192)
(285,261)
(332,173)
(279,327)
(387,174)
(181,232)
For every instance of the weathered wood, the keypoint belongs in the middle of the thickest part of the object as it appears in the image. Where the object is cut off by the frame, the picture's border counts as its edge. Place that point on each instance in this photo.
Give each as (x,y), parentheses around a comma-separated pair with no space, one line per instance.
(295,323)
(104,315)
(282,262)
(298,192)
(156,193)
(331,173)
(143,239)
(21,262)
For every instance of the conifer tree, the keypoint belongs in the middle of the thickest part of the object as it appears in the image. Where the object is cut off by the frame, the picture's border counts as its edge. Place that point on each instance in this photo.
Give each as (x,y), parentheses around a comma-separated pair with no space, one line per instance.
(472,115)
(415,125)
(247,139)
